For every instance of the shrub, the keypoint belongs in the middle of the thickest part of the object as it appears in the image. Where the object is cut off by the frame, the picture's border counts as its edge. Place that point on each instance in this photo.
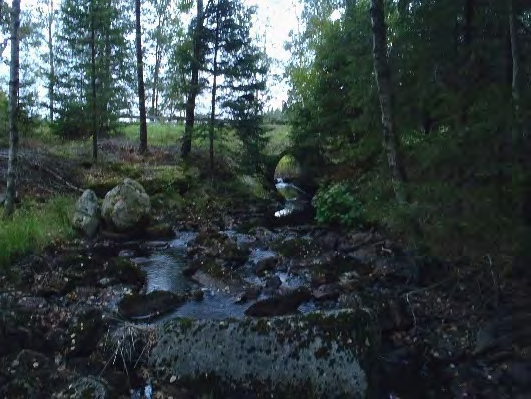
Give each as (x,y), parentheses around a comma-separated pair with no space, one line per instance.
(336,204)
(73,122)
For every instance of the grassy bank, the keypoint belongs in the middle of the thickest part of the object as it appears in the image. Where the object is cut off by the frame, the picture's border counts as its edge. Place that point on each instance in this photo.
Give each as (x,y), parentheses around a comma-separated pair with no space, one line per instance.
(35,226)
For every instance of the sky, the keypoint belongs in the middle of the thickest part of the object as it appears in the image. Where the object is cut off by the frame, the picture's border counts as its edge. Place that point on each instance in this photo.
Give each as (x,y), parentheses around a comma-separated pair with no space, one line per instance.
(274,20)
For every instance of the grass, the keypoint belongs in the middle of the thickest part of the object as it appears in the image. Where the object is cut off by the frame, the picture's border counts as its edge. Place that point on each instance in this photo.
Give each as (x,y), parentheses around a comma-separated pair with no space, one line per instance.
(279,139)
(159,134)
(33,227)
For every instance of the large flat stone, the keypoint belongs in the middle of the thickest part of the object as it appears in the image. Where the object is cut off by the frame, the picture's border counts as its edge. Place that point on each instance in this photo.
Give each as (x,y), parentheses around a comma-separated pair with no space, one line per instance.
(325,355)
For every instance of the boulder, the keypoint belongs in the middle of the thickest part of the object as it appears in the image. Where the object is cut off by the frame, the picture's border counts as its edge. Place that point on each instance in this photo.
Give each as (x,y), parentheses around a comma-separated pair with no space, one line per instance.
(320,355)
(126,207)
(87,214)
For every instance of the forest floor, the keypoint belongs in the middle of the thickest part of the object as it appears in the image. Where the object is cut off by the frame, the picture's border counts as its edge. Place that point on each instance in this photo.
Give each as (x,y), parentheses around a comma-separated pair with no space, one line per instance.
(449,328)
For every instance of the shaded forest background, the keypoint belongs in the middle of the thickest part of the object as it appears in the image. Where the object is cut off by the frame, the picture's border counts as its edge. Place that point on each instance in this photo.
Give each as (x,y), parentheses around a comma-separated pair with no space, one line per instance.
(461,90)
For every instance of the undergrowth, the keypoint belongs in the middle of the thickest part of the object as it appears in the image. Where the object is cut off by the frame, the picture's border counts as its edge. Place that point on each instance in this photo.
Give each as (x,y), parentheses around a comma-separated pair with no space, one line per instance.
(33,227)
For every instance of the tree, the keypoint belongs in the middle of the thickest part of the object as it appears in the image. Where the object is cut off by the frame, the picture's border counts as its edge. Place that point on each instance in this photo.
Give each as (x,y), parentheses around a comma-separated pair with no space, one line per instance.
(140,77)
(194,88)
(13,109)
(385,91)
(162,38)
(215,71)
(51,81)
(94,66)
(237,69)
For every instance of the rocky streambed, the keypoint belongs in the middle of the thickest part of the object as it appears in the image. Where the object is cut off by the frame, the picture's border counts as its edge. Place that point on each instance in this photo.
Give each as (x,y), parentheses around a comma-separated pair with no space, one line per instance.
(255,311)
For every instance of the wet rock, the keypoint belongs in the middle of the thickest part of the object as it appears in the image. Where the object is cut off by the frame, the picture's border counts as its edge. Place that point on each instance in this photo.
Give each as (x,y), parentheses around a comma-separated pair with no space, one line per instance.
(326,292)
(394,315)
(356,241)
(126,253)
(212,244)
(160,231)
(399,270)
(87,214)
(273,283)
(365,255)
(29,303)
(85,332)
(280,305)
(295,246)
(329,241)
(126,207)
(123,270)
(197,295)
(324,355)
(265,265)
(262,234)
(249,294)
(228,283)
(150,306)
(86,387)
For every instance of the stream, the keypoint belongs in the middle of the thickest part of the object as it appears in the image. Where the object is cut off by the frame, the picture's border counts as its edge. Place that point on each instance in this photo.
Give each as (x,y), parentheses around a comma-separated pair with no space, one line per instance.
(433,341)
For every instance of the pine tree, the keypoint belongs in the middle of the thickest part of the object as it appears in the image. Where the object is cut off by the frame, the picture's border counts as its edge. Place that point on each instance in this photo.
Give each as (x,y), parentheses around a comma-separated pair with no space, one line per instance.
(94,65)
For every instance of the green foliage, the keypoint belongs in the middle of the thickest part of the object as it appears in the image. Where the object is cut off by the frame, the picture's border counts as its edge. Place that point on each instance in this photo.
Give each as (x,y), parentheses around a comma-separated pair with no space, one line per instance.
(231,54)
(333,100)
(110,23)
(33,227)
(73,122)
(337,205)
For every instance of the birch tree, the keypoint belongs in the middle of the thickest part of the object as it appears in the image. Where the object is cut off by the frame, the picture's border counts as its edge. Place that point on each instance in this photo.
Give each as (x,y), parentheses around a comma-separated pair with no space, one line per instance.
(385,94)
(13,108)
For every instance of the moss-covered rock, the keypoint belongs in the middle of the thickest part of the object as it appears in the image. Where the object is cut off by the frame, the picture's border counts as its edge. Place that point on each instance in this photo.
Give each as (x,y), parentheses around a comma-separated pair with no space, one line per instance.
(126,207)
(87,214)
(325,355)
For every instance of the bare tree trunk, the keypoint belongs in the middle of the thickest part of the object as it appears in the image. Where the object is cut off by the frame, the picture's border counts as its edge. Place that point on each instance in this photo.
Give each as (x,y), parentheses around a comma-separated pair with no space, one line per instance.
(194,85)
(13,109)
(156,71)
(141,90)
(154,94)
(214,90)
(385,92)
(51,57)
(95,124)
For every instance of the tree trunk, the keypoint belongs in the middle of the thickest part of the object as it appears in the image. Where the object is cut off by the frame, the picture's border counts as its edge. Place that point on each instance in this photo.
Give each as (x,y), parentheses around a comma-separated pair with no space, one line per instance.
(140,74)
(93,84)
(385,92)
(214,90)
(154,94)
(156,72)
(194,85)
(13,109)
(51,57)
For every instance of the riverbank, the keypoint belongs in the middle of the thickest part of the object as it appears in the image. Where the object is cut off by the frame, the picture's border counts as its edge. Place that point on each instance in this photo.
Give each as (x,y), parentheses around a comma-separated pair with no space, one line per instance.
(442,328)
